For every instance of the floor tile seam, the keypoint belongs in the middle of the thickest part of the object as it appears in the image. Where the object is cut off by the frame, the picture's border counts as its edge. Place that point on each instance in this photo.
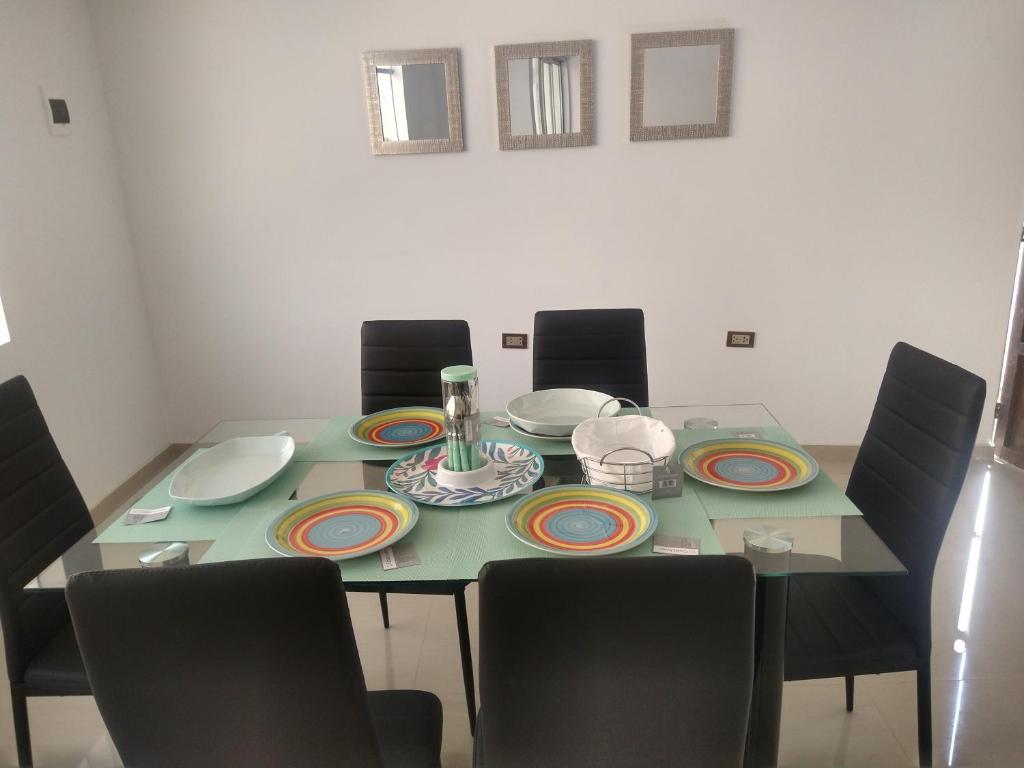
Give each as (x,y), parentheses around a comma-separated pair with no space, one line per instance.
(908,758)
(422,643)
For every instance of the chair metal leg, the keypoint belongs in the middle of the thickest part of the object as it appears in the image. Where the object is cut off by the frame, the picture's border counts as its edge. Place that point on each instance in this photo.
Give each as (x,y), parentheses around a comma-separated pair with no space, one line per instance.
(19,707)
(924,714)
(467,655)
(384,609)
(849,693)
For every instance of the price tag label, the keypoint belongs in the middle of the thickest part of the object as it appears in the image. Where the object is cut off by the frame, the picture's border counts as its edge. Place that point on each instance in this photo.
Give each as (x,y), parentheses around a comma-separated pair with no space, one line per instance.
(399,556)
(675,545)
(138,516)
(668,481)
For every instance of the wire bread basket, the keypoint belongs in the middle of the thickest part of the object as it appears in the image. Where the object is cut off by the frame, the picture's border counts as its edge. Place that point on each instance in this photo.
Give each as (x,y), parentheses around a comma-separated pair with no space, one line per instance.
(622,452)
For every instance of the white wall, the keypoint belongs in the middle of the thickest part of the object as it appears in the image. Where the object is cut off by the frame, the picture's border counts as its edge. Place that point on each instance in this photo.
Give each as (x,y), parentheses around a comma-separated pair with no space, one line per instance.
(68,278)
(872,190)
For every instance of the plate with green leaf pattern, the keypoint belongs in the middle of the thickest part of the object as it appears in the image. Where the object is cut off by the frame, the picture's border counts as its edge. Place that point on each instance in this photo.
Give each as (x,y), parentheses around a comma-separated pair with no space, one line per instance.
(415,475)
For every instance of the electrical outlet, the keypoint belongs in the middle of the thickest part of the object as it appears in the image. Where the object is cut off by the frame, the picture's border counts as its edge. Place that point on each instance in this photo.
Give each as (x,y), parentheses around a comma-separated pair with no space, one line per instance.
(514,340)
(739,339)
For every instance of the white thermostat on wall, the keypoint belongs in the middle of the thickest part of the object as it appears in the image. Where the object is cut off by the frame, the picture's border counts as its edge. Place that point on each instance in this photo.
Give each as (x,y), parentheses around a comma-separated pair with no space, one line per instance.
(55,105)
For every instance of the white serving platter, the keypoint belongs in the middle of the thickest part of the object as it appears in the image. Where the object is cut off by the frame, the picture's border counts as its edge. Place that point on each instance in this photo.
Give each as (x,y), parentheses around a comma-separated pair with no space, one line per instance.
(520,431)
(557,412)
(232,471)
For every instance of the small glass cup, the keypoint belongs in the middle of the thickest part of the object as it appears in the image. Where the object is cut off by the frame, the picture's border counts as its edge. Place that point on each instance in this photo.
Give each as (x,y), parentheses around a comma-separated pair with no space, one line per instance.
(700,422)
(768,548)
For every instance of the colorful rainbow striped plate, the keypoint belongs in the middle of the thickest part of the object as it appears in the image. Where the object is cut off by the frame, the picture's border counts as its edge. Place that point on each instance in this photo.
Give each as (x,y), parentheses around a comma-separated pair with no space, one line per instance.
(399,427)
(749,465)
(582,520)
(342,525)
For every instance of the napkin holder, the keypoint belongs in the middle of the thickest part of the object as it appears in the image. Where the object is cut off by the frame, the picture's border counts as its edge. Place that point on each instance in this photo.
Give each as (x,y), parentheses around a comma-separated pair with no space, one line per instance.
(622,452)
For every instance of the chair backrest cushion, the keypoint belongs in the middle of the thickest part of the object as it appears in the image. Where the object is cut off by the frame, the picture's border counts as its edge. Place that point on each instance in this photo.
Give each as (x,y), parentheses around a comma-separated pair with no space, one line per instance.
(909,471)
(637,661)
(402,360)
(42,514)
(248,663)
(599,349)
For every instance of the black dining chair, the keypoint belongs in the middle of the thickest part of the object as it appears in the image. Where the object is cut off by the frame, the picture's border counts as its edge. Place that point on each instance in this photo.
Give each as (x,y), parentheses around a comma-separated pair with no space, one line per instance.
(599,349)
(402,360)
(614,662)
(905,480)
(42,514)
(401,366)
(248,663)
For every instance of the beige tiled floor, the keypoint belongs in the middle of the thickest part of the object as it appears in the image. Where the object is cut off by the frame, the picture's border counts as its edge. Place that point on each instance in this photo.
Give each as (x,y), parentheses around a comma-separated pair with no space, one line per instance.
(978,718)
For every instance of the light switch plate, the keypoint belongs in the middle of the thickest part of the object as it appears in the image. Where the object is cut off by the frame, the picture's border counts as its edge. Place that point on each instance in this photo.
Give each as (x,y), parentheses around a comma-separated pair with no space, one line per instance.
(55,108)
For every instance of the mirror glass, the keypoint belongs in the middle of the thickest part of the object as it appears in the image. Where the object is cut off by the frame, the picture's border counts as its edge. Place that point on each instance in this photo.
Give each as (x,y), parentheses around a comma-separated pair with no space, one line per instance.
(413,101)
(680,85)
(544,95)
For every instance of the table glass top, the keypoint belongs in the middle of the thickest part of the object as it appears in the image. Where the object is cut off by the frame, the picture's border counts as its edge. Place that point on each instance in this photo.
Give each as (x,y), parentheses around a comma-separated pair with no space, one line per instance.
(454,543)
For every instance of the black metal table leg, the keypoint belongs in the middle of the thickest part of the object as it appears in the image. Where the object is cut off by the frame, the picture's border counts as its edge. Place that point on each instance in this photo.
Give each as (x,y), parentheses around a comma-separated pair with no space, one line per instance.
(769,661)
(466,652)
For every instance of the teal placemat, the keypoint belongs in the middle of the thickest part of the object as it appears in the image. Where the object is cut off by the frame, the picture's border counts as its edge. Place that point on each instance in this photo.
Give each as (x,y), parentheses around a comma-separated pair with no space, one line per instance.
(687,437)
(334,444)
(453,544)
(483,535)
(246,537)
(188,522)
(819,498)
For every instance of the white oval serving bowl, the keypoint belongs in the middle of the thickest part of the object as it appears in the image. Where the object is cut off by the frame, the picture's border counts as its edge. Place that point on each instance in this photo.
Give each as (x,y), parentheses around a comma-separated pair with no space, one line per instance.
(557,412)
(232,471)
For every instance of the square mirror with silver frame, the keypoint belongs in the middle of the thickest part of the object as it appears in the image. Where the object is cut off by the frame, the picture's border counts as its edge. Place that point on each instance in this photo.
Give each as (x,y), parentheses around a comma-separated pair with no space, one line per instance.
(545,94)
(680,84)
(413,101)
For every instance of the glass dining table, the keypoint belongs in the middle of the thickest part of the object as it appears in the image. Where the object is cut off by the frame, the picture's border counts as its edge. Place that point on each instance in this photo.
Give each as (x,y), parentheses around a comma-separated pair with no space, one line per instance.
(827,532)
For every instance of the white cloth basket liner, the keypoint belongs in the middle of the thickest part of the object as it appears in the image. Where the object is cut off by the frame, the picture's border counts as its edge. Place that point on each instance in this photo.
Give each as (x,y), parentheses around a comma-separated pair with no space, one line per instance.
(622,451)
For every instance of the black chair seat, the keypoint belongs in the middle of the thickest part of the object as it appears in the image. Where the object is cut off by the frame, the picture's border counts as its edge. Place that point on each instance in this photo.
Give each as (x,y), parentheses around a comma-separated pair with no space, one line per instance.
(42,514)
(248,663)
(408,726)
(838,627)
(594,662)
(600,349)
(402,360)
(57,668)
(905,480)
